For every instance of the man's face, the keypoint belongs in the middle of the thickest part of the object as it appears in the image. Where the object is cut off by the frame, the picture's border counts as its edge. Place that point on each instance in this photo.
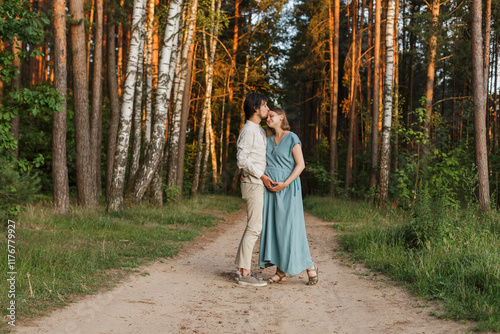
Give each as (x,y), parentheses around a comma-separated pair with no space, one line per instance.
(263,110)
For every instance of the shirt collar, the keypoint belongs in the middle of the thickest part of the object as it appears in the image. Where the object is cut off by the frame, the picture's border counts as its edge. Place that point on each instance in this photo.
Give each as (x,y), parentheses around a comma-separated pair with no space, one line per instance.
(253,124)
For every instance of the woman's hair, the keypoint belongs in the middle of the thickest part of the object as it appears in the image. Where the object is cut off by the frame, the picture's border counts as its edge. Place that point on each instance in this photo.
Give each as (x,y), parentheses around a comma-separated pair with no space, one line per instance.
(285,126)
(253,102)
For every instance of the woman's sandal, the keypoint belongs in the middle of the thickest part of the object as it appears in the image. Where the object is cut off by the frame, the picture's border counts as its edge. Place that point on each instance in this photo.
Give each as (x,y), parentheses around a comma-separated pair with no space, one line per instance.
(281,277)
(313,280)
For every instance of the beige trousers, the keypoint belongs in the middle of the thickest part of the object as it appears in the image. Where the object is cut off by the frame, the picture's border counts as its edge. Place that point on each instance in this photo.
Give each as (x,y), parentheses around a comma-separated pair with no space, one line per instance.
(253,195)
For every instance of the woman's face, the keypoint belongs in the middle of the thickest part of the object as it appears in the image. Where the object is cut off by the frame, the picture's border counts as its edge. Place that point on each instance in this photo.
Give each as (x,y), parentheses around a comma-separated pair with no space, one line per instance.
(274,120)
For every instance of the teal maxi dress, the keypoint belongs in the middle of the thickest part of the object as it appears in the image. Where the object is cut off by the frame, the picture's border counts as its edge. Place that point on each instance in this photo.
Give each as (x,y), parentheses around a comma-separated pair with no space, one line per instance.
(283,240)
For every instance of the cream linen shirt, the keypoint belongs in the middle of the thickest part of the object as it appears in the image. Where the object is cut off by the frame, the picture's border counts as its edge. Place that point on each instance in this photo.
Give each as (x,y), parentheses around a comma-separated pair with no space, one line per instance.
(251,154)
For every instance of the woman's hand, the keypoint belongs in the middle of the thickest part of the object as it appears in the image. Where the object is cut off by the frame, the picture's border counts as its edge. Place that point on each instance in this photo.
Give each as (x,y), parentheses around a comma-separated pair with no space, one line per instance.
(278,186)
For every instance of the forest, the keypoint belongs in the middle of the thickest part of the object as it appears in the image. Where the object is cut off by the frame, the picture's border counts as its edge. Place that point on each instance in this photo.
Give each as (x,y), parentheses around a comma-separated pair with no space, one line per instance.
(121,102)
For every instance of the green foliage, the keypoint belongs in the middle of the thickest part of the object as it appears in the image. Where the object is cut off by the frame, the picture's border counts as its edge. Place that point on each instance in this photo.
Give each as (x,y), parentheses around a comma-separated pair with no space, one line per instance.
(441,251)
(18,186)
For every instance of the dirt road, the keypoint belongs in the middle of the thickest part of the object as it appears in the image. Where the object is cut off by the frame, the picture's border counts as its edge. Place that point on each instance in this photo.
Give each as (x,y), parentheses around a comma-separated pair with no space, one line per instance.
(195,293)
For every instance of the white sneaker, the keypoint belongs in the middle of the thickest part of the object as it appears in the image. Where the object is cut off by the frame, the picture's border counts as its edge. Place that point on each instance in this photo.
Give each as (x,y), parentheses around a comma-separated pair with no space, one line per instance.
(237,275)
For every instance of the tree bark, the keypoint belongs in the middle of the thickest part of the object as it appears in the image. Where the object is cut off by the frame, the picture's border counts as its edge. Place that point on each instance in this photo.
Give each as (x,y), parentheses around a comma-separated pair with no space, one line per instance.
(154,151)
(85,176)
(149,73)
(479,106)
(431,72)
(334,27)
(59,161)
(96,118)
(114,103)
(385,156)
(115,198)
(376,94)
(16,85)
(174,153)
(232,72)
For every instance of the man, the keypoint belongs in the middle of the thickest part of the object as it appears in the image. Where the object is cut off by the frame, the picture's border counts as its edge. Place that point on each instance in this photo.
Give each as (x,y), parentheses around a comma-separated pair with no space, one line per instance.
(251,158)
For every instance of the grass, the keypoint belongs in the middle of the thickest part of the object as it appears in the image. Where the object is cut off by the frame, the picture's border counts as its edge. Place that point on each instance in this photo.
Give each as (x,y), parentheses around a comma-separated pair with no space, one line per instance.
(60,257)
(449,255)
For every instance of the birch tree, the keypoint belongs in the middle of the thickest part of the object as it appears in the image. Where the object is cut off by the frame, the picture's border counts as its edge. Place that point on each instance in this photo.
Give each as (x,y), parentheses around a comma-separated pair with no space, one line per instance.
(209,69)
(385,157)
(59,164)
(154,151)
(115,199)
(174,153)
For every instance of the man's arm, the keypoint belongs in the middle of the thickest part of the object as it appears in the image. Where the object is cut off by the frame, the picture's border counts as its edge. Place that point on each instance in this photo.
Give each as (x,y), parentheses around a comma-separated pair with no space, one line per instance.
(244,161)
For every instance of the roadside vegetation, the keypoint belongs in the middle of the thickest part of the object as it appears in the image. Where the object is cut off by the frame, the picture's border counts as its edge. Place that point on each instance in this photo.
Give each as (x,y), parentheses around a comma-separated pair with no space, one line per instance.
(441,251)
(60,257)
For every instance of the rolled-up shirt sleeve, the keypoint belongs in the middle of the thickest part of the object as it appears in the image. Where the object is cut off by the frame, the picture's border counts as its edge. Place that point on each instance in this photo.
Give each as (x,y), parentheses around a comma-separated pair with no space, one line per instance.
(246,142)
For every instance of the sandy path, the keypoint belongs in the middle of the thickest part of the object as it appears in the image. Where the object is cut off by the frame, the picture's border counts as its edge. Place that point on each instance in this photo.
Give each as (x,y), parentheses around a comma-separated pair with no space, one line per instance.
(195,293)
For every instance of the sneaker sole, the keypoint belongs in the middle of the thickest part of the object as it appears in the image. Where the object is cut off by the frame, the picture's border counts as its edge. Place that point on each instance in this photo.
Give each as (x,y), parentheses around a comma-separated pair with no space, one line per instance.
(252,284)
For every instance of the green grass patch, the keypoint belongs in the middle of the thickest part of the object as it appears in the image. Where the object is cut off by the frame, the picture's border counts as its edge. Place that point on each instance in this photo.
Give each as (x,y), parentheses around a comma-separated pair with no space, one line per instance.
(60,257)
(448,254)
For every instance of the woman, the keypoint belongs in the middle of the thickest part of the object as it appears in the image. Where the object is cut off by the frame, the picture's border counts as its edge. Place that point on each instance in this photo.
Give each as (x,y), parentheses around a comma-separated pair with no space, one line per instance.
(283,241)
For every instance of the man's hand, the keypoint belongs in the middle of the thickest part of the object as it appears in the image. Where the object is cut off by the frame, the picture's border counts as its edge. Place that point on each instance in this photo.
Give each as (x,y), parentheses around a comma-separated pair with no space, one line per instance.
(268,182)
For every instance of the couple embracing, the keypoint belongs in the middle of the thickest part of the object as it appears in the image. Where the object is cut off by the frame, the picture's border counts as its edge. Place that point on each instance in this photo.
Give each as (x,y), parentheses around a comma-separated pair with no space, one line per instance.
(271,189)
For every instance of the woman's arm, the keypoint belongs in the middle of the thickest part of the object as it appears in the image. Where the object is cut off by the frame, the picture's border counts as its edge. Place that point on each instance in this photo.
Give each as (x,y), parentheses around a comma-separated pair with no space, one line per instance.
(299,167)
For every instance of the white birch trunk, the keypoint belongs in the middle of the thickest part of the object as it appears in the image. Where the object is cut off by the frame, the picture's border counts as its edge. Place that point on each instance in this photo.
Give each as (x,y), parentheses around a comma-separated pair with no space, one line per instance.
(385,157)
(209,70)
(173,155)
(115,200)
(165,81)
(136,146)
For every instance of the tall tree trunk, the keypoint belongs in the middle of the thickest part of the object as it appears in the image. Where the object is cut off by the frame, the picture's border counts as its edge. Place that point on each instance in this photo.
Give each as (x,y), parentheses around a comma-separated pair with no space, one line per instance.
(115,198)
(431,72)
(16,83)
(353,93)
(154,151)
(149,73)
(385,156)
(487,46)
(114,102)
(85,176)
(184,118)
(376,94)
(479,106)
(174,153)
(396,80)
(59,164)
(90,19)
(137,113)
(334,26)
(495,101)
(232,72)
(96,118)
(206,113)
(119,41)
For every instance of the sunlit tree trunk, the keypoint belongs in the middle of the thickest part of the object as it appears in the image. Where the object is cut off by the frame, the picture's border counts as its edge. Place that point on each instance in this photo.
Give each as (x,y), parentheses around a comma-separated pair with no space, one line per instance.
(115,198)
(113,101)
(431,72)
(85,173)
(90,19)
(96,117)
(232,72)
(120,54)
(174,153)
(396,80)
(376,94)
(385,156)
(479,106)
(206,113)
(334,27)
(59,161)
(149,73)
(154,151)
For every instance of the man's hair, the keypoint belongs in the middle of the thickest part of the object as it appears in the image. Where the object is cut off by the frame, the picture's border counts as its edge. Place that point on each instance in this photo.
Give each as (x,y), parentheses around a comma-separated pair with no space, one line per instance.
(252,103)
